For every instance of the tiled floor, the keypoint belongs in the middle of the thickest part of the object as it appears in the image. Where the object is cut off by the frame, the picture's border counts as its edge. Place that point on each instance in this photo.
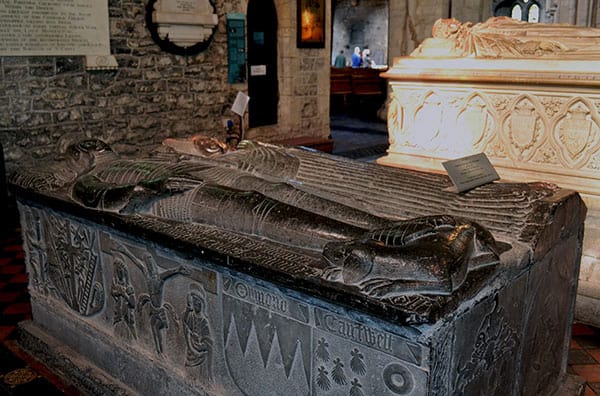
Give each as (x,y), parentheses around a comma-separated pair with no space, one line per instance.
(20,375)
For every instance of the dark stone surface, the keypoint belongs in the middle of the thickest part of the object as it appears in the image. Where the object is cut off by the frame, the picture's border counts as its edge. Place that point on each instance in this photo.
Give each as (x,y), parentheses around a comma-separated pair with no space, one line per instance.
(143,265)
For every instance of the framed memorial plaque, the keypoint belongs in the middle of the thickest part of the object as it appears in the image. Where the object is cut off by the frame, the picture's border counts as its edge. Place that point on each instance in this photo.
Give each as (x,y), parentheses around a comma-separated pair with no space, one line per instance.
(311,24)
(182,27)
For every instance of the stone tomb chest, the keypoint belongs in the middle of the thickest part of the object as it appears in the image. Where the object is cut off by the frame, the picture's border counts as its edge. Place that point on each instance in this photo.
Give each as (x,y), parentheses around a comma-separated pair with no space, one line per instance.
(528,95)
(268,270)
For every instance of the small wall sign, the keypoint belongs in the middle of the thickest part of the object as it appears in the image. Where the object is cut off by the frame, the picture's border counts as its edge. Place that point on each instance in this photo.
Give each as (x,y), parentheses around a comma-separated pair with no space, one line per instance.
(470,172)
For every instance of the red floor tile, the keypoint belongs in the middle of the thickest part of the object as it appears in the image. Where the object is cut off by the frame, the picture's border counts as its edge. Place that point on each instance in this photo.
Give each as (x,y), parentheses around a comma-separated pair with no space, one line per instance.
(582,329)
(12,269)
(589,392)
(13,248)
(595,354)
(18,309)
(5,332)
(8,297)
(21,278)
(590,372)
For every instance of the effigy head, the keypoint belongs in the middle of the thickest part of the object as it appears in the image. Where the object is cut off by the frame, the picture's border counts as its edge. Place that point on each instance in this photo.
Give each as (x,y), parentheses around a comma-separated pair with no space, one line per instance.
(83,156)
(445,28)
(199,145)
(426,255)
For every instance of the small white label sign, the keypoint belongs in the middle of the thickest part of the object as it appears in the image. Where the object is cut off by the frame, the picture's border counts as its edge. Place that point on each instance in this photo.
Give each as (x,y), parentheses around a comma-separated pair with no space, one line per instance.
(258,70)
(470,172)
(240,104)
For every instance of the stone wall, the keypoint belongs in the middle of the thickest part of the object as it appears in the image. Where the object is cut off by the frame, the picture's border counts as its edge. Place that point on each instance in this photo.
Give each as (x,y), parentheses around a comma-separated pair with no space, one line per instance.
(364,24)
(48,102)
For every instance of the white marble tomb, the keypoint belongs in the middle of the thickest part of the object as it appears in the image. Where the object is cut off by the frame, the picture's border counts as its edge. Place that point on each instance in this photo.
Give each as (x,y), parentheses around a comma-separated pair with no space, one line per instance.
(527,95)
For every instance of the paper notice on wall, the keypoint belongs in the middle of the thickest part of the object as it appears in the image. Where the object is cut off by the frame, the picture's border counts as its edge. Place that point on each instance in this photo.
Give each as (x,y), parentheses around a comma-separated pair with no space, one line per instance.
(55,27)
(240,103)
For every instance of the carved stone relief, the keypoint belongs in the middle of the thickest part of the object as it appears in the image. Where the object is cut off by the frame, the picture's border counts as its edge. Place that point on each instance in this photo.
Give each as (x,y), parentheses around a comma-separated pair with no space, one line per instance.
(35,248)
(477,122)
(577,133)
(161,305)
(64,260)
(523,128)
(356,359)
(495,343)
(548,334)
(486,347)
(267,340)
(558,130)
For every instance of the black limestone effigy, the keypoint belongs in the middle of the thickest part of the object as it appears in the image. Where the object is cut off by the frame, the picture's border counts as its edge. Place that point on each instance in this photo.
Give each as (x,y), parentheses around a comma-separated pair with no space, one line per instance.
(272,269)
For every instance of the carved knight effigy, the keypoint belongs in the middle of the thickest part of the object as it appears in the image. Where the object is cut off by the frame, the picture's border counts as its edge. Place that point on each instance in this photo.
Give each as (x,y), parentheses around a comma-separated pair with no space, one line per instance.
(263,269)
(258,191)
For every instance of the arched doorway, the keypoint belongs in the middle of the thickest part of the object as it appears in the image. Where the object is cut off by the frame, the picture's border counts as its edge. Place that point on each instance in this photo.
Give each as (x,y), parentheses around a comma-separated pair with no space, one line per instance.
(262,63)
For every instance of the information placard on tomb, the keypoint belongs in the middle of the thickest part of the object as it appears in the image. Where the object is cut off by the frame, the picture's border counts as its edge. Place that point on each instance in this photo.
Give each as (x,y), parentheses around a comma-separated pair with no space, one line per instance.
(54,27)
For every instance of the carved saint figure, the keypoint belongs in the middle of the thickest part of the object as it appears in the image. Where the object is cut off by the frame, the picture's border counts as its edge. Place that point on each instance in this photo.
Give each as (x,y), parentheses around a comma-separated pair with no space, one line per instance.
(124,301)
(155,281)
(504,37)
(197,332)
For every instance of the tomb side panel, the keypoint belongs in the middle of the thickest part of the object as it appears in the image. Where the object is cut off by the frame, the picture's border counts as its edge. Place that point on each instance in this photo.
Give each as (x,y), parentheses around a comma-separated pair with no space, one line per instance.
(129,306)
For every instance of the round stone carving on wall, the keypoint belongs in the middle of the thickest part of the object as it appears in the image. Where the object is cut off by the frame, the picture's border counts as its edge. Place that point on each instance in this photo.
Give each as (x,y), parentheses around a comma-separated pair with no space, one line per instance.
(182,27)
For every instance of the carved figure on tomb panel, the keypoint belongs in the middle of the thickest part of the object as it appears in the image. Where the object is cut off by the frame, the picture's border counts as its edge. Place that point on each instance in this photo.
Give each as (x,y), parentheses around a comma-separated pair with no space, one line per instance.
(496,341)
(395,120)
(158,311)
(504,37)
(124,301)
(37,258)
(196,328)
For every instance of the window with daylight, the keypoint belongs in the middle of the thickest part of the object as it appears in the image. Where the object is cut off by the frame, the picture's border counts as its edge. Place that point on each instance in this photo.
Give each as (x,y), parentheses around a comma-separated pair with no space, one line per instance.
(522,10)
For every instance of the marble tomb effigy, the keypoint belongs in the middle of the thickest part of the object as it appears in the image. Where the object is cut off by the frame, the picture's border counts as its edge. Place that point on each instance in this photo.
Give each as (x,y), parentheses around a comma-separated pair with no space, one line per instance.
(199,269)
(525,94)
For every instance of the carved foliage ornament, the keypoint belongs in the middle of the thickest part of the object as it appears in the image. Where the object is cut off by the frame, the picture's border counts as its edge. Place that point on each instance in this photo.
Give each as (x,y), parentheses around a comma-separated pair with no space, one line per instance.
(182,27)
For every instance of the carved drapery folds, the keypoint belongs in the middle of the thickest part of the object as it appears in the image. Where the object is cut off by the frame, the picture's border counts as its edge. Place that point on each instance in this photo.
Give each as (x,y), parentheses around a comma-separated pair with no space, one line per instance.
(504,37)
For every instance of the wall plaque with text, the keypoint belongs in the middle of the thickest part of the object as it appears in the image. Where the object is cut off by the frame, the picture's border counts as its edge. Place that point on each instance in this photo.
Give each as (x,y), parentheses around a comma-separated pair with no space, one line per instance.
(56,27)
